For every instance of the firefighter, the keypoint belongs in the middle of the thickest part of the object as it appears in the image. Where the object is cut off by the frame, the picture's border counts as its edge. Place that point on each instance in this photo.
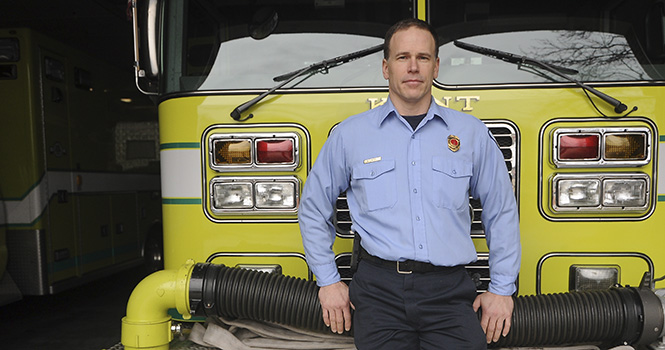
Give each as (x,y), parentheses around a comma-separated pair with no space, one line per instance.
(408,168)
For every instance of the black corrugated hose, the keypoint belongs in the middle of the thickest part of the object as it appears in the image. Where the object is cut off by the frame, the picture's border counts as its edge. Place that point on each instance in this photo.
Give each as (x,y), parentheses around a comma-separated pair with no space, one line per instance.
(217,290)
(608,317)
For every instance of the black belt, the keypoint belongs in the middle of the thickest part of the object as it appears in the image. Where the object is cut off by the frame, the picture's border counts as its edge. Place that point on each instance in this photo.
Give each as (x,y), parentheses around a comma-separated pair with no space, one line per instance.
(405,267)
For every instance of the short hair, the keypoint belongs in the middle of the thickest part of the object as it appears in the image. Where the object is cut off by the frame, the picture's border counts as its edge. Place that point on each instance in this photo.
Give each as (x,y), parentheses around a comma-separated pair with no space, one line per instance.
(406,24)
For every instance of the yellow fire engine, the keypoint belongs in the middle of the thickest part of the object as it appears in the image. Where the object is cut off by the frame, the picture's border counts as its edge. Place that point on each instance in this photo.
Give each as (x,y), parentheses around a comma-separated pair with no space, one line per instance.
(571,91)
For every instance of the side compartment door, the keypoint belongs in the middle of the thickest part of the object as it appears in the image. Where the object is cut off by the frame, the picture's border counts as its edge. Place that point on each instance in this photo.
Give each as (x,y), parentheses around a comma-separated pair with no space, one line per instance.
(60,229)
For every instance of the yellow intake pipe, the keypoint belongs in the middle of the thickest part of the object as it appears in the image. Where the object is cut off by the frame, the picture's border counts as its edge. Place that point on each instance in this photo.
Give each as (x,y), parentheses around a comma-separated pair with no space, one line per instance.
(148,324)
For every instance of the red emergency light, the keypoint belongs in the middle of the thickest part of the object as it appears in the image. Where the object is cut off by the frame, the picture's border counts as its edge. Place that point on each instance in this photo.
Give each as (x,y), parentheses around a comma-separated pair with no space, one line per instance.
(579,146)
(279,151)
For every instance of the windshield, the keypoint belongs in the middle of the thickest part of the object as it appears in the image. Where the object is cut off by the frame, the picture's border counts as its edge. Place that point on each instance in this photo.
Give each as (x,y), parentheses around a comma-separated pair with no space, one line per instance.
(231,45)
(603,41)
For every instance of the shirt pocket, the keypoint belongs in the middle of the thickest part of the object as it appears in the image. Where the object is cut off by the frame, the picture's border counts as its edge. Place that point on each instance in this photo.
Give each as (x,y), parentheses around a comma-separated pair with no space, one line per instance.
(451,183)
(374,184)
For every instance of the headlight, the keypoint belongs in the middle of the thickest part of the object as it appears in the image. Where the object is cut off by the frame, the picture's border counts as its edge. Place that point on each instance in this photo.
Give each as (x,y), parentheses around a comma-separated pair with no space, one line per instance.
(275,195)
(232,195)
(624,193)
(252,195)
(579,193)
(600,192)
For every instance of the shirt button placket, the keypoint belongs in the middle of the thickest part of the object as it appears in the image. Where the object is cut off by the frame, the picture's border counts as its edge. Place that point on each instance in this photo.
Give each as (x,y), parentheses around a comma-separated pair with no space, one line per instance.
(414,181)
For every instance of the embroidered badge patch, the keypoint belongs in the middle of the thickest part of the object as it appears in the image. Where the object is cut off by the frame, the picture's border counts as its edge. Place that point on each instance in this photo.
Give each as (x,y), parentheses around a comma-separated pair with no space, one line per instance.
(453,143)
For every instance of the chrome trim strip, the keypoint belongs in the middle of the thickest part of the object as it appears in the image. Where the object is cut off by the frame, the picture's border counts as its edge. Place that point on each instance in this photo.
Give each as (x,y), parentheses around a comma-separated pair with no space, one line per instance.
(514,149)
(541,161)
(541,261)
(140,73)
(346,255)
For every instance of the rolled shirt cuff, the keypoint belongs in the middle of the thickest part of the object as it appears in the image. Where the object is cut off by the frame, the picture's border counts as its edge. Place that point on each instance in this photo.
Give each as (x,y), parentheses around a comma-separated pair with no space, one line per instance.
(503,285)
(326,274)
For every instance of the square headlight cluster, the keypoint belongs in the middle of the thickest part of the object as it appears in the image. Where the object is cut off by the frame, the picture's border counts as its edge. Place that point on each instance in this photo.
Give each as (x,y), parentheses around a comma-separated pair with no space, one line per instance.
(601,147)
(254,194)
(253,173)
(600,192)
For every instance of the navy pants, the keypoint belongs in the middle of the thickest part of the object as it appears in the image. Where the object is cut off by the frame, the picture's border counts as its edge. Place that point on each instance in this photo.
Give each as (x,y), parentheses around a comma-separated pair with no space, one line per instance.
(418,311)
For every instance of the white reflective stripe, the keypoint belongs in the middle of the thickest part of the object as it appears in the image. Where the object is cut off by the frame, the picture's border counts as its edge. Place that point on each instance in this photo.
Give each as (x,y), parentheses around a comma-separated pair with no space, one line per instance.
(181,173)
(30,207)
(59,181)
(3,215)
(27,209)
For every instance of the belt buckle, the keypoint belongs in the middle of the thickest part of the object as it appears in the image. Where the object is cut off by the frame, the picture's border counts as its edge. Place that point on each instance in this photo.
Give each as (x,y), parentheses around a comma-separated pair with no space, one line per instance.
(400,271)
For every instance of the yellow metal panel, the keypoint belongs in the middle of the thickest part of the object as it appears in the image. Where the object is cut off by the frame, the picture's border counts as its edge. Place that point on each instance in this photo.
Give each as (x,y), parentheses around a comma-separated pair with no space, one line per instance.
(422,10)
(190,234)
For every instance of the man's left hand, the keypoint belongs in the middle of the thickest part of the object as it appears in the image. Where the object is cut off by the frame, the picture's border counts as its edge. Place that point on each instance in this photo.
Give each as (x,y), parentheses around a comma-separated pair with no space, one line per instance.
(497,314)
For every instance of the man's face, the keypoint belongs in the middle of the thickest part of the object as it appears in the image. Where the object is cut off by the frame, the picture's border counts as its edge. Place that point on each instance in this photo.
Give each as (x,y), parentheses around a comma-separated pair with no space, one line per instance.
(411,66)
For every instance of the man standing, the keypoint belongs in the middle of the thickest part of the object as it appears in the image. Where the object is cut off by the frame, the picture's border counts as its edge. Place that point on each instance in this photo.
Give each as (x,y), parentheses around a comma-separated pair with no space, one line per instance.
(408,167)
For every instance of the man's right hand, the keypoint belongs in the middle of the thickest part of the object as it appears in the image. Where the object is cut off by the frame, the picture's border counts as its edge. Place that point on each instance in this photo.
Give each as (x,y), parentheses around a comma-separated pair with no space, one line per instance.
(335,303)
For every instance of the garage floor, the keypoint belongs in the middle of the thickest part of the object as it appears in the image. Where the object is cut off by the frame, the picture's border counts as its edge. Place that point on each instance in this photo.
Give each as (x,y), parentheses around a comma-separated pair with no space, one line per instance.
(86,317)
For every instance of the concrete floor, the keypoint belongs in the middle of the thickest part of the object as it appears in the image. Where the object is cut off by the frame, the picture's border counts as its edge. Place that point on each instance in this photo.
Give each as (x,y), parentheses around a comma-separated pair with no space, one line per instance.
(86,317)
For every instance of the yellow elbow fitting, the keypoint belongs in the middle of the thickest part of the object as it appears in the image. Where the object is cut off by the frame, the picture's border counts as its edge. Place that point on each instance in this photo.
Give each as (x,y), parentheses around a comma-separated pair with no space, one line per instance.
(148,324)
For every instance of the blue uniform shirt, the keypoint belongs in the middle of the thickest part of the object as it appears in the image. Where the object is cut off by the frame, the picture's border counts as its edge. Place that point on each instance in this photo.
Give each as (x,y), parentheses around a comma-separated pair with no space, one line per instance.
(408,193)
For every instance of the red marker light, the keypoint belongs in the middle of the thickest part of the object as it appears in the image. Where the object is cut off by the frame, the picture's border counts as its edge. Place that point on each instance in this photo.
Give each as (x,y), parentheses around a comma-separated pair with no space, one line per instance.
(578,147)
(274,151)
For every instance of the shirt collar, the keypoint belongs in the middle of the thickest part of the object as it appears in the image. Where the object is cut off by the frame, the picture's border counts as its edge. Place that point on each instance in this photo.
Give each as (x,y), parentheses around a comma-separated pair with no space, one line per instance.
(387,109)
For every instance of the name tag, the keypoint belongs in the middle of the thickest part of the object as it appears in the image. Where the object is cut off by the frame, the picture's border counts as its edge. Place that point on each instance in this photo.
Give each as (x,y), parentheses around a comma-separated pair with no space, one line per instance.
(372,160)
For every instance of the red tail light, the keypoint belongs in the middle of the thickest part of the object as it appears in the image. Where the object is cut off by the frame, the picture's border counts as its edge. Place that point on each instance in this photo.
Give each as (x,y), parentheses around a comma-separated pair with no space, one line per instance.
(274,151)
(586,146)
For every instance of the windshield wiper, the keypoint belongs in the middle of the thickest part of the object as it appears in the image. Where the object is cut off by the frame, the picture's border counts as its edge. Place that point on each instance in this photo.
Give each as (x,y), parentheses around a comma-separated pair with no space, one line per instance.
(560,71)
(324,65)
(319,67)
(509,57)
